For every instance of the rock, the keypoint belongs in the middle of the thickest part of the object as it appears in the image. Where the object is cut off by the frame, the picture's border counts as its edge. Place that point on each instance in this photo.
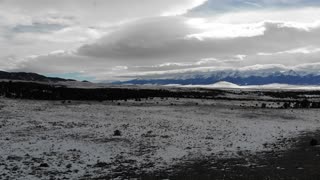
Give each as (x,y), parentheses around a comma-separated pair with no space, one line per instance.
(68,166)
(117,133)
(44,165)
(101,164)
(14,158)
(313,142)
(37,160)
(15,168)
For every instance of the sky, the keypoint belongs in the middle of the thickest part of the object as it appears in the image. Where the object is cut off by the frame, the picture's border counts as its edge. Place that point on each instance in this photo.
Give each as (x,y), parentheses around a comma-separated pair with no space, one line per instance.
(108,40)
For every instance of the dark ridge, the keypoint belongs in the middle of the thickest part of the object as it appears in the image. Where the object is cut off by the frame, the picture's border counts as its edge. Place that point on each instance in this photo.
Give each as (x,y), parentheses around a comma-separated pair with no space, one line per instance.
(24,76)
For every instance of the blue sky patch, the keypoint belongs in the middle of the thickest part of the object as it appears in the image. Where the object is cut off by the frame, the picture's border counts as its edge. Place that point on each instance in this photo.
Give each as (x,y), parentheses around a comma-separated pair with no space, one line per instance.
(214,6)
(76,76)
(37,28)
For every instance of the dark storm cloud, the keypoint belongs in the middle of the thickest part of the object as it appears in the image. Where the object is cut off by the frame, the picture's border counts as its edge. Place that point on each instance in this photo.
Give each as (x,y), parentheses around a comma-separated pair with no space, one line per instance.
(151,42)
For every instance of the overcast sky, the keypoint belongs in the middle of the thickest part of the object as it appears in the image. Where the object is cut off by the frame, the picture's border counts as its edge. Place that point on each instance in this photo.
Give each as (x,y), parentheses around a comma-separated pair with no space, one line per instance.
(111,39)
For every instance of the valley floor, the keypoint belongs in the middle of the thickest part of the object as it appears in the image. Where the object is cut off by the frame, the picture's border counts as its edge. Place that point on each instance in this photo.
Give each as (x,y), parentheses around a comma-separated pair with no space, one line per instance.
(75,140)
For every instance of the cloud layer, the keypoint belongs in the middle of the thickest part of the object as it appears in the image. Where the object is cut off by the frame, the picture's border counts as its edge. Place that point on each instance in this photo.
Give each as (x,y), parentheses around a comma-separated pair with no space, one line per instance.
(135,38)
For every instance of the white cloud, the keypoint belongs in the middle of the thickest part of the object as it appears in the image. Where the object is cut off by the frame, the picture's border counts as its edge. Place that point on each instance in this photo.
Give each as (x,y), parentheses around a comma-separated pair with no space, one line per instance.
(297,15)
(218,30)
(143,37)
(91,11)
(179,9)
(149,46)
(253,4)
(37,27)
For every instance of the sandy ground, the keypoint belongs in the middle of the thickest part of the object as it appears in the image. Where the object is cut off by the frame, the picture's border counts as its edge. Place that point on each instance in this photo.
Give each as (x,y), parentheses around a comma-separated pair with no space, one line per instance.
(55,140)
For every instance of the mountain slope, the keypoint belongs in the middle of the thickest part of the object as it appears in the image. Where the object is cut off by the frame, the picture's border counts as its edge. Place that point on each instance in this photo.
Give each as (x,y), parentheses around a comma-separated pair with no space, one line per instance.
(23,76)
(235,77)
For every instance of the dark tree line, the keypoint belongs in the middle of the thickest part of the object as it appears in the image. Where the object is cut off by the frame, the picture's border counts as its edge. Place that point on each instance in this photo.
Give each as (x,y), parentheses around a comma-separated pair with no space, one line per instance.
(29,90)
(38,91)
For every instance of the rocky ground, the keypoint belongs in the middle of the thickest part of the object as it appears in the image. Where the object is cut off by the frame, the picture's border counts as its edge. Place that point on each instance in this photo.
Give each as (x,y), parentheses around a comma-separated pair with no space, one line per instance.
(300,162)
(150,139)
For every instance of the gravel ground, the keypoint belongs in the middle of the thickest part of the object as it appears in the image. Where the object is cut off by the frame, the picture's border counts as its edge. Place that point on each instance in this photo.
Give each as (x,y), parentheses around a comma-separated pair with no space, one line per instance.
(76,140)
(300,162)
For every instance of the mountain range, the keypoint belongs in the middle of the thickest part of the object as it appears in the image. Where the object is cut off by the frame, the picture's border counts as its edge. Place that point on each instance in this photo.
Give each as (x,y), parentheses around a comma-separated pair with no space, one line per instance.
(236,77)
(241,78)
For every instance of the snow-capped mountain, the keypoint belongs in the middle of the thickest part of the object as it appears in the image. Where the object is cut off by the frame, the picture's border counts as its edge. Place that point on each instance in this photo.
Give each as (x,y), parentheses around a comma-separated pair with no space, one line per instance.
(238,77)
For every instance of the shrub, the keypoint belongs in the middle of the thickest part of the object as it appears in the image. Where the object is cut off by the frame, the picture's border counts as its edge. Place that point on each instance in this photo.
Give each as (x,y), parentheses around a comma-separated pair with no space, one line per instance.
(305,104)
(286,105)
(313,142)
(117,133)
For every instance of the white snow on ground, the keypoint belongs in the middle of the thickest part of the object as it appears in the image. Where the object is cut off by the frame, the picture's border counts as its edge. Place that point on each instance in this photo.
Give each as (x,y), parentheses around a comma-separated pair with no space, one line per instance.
(76,139)
(222,84)
(228,85)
